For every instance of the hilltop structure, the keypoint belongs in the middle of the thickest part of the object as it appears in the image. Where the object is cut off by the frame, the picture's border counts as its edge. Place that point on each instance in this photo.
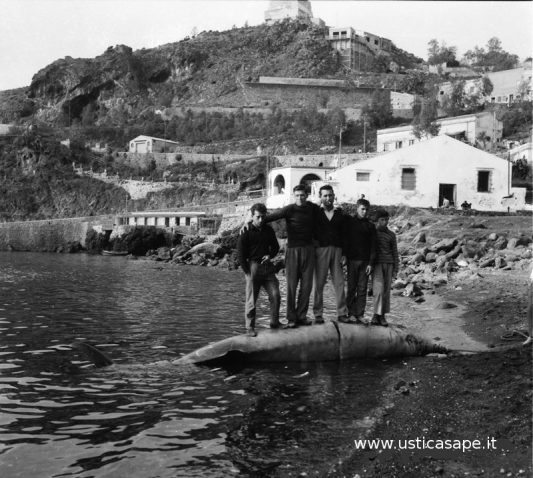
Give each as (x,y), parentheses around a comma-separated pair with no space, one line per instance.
(294,9)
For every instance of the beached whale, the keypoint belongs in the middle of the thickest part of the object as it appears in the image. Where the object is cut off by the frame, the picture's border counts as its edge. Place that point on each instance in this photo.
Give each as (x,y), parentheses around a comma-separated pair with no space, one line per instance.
(326,342)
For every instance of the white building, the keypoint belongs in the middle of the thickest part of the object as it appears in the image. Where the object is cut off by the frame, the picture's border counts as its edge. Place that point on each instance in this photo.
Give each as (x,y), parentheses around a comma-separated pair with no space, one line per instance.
(149,144)
(164,218)
(511,85)
(281,182)
(522,151)
(467,127)
(426,173)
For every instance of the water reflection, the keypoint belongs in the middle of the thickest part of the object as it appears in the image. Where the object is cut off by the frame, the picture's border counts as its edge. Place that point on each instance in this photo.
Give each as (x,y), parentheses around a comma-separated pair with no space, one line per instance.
(60,416)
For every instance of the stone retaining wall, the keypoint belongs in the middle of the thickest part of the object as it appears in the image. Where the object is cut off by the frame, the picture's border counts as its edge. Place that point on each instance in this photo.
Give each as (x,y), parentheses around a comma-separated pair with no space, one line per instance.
(47,235)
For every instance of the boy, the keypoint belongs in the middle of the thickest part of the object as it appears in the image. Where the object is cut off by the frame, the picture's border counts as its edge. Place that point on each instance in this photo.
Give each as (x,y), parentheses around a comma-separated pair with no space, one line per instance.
(385,269)
(256,247)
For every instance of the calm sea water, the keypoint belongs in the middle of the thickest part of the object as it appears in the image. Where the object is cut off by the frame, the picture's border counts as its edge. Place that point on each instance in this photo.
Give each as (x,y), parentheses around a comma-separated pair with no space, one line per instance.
(143,417)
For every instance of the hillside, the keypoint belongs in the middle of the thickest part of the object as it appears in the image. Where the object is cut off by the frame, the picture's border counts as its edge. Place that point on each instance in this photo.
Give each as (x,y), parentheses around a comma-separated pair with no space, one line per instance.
(117,87)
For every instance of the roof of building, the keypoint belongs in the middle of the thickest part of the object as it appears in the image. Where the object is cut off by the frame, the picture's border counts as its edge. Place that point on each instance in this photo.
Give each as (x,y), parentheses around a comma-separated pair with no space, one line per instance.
(448,119)
(145,137)
(166,213)
(431,150)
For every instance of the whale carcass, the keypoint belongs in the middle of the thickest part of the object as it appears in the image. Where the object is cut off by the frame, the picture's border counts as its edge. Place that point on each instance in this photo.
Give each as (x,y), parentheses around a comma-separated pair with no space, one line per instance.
(326,342)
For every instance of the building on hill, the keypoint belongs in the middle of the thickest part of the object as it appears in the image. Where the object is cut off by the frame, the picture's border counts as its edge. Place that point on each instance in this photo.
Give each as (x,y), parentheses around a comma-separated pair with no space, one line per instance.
(149,144)
(356,47)
(426,173)
(302,92)
(466,127)
(508,86)
(279,10)
(511,85)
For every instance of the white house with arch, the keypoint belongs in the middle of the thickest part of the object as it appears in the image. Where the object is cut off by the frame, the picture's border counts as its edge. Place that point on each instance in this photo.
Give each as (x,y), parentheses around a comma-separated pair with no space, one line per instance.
(281,182)
(427,172)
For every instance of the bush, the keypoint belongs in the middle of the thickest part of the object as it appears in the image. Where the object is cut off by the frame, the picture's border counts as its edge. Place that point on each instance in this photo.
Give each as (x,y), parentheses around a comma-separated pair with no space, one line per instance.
(95,242)
(140,240)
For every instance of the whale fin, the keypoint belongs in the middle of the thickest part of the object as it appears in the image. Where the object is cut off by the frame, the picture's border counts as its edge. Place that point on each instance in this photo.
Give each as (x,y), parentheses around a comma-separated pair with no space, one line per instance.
(96,356)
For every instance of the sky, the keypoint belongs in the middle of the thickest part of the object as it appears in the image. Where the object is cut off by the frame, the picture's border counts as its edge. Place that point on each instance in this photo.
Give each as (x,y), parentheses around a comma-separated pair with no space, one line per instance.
(34,33)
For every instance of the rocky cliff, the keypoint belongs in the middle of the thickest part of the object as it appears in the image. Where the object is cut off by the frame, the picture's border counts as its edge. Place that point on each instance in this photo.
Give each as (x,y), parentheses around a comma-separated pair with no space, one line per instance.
(120,85)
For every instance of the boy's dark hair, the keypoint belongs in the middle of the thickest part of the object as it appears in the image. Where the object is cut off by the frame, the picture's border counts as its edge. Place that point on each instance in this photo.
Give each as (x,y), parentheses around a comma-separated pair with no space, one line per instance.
(259,207)
(326,187)
(299,187)
(363,202)
(382,213)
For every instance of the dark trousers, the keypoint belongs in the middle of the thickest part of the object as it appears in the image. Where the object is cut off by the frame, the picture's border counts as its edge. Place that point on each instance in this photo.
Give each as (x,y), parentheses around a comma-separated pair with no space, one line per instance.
(328,259)
(299,268)
(261,276)
(357,286)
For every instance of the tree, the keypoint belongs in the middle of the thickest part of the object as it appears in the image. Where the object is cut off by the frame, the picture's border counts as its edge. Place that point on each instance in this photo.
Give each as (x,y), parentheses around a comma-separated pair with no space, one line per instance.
(379,111)
(459,101)
(494,58)
(424,121)
(441,54)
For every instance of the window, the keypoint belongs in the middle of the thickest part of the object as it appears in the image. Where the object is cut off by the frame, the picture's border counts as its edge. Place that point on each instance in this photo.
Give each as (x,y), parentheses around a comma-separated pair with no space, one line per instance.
(399,144)
(187,221)
(408,179)
(375,42)
(411,142)
(362,176)
(483,180)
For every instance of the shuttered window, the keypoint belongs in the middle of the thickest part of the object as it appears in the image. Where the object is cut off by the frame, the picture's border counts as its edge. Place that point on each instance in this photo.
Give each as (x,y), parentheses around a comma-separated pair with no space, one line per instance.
(362,177)
(408,179)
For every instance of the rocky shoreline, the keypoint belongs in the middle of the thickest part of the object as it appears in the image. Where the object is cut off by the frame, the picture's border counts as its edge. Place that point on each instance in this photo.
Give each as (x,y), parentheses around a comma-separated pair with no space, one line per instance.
(433,250)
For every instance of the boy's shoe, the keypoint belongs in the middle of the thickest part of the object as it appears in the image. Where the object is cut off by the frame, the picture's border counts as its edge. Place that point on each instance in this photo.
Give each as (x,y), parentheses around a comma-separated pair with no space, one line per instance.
(276,325)
(375,320)
(251,332)
(382,321)
(292,325)
(319,320)
(305,322)
(346,319)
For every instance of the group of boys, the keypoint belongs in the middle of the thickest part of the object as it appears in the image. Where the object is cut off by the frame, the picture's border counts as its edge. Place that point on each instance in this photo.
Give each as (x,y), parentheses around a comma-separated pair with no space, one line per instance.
(320,240)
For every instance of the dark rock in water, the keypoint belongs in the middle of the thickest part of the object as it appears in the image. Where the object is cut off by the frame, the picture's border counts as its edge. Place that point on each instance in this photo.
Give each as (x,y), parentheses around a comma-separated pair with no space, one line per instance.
(478,226)
(10,248)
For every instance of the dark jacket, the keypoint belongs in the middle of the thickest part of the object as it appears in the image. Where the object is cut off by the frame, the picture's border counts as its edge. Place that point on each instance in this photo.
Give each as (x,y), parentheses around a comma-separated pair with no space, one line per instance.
(254,244)
(301,221)
(360,240)
(331,232)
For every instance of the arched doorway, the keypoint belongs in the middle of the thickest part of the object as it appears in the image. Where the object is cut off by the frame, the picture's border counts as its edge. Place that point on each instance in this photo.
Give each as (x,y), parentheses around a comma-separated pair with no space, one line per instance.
(308,179)
(279,184)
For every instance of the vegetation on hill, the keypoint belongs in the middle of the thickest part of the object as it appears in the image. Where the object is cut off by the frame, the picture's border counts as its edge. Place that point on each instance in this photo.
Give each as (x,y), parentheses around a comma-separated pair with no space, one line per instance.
(38,182)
